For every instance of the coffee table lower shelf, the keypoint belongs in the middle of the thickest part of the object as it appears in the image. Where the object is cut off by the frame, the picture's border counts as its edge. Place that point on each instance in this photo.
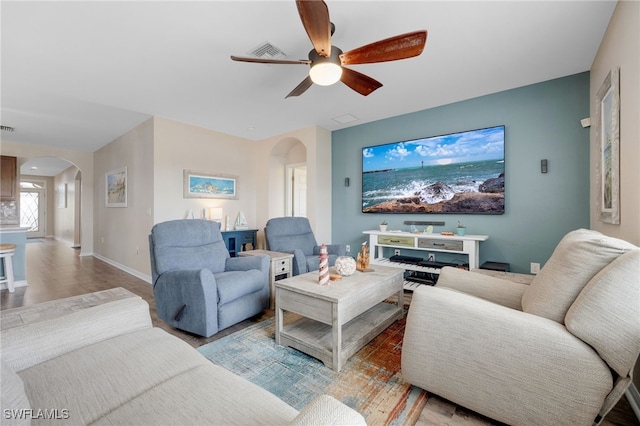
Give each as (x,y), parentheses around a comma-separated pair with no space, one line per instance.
(317,339)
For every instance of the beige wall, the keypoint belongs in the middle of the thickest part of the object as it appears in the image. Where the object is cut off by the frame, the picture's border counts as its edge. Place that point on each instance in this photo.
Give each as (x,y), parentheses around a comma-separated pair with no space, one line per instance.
(158,151)
(121,234)
(621,47)
(179,147)
(64,217)
(284,149)
(82,160)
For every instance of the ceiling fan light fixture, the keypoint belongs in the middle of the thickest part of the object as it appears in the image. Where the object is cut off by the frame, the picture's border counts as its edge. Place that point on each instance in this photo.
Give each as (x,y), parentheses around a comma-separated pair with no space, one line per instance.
(325,73)
(325,70)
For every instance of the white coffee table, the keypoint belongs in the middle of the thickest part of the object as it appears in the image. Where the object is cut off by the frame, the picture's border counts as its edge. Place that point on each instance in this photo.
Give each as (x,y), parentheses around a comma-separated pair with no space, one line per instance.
(339,319)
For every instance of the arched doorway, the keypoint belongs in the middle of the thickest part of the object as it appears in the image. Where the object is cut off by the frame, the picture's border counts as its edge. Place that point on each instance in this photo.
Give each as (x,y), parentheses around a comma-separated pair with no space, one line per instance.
(50,198)
(287,179)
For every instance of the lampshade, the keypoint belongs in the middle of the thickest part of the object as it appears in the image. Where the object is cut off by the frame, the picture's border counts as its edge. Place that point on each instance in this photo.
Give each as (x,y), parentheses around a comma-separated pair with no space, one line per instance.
(325,73)
(215,213)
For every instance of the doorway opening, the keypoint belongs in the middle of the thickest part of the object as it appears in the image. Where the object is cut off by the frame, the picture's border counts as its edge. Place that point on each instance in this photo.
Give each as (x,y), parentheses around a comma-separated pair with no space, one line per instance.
(296,190)
(33,202)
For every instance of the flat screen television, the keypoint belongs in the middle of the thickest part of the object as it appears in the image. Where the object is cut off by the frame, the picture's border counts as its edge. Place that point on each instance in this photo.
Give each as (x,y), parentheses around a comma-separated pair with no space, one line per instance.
(461,173)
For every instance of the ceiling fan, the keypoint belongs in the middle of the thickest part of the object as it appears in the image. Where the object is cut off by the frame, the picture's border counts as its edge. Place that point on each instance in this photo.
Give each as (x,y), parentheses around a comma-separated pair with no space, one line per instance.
(327,61)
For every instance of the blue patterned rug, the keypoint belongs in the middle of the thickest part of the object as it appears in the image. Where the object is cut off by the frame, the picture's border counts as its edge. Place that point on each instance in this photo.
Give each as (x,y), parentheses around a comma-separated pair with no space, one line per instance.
(370,382)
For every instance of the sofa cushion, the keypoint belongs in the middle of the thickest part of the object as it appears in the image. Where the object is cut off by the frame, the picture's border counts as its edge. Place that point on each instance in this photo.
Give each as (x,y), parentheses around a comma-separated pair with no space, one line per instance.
(148,377)
(579,256)
(606,314)
(14,399)
(235,284)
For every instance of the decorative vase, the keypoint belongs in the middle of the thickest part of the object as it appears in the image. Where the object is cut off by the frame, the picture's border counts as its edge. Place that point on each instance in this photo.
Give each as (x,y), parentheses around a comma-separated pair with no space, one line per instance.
(461,231)
(345,265)
(383,228)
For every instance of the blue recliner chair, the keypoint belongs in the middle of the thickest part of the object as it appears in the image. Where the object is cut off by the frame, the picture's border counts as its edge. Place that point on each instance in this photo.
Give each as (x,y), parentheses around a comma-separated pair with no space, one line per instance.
(294,235)
(197,286)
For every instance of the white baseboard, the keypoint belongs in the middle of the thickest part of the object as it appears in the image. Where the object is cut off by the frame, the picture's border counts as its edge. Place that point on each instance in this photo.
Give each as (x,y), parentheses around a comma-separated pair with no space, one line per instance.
(633,396)
(124,268)
(16,284)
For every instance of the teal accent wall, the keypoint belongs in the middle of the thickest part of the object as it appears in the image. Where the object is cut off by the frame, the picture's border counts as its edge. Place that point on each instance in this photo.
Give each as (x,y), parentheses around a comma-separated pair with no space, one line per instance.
(542,121)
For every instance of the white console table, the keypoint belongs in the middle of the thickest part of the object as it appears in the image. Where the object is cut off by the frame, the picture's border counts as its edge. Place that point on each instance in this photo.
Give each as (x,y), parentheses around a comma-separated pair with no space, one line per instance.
(468,245)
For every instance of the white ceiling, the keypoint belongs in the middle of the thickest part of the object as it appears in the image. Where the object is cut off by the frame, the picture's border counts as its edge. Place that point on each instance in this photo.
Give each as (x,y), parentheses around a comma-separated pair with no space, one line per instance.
(76,75)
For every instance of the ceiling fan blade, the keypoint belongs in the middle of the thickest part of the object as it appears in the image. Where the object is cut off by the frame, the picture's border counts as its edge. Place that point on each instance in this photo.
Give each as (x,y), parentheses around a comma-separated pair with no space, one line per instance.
(270,61)
(390,49)
(301,88)
(359,82)
(314,15)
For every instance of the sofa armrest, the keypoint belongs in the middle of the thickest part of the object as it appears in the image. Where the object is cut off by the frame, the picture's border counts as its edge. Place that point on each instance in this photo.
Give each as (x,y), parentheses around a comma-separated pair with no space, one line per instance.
(490,358)
(299,261)
(510,276)
(326,410)
(246,263)
(26,345)
(497,290)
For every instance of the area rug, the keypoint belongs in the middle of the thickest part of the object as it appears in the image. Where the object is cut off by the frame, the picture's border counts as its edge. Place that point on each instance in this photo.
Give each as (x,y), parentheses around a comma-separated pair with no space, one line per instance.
(370,382)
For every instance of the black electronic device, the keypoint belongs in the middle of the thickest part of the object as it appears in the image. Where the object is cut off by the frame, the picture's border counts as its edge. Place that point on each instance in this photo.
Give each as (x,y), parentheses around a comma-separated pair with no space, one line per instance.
(406,259)
(421,277)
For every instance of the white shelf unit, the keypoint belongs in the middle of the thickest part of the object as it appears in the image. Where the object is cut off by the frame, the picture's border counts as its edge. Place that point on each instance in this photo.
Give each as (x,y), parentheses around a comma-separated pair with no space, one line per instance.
(467,245)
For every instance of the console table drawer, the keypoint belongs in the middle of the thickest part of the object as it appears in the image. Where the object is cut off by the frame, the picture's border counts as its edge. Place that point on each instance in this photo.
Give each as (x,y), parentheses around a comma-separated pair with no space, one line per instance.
(453,245)
(246,238)
(280,266)
(395,241)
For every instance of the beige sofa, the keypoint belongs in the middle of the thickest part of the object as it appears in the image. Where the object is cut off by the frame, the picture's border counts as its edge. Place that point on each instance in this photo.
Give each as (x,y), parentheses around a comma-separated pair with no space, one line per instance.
(96,359)
(559,351)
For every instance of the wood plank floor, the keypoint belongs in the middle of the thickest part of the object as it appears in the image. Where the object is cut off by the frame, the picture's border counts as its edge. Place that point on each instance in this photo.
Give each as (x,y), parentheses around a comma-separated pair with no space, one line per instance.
(54,271)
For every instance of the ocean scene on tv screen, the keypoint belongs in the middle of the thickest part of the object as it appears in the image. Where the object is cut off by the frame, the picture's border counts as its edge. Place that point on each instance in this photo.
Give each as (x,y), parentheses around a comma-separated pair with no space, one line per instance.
(455,173)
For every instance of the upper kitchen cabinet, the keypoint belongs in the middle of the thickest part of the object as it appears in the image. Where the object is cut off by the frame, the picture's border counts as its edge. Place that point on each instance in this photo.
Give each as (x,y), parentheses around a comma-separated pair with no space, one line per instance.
(9,176)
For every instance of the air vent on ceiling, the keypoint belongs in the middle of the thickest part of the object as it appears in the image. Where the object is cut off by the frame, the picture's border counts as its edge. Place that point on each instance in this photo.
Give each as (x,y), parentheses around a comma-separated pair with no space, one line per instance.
(345,119)
(6,128)
(267,50)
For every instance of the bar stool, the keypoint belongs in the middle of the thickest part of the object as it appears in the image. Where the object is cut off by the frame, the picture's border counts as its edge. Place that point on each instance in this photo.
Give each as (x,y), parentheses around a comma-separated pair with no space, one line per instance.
(6,253)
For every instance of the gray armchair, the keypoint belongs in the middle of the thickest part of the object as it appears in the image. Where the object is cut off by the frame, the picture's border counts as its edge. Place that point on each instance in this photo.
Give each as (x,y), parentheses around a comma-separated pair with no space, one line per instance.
(294,235)
(559,351)
(197,286)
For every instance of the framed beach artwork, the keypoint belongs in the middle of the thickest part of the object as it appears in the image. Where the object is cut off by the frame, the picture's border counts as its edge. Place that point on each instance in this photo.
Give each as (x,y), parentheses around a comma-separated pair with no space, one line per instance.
(209,185)
(608,145)
(116,188)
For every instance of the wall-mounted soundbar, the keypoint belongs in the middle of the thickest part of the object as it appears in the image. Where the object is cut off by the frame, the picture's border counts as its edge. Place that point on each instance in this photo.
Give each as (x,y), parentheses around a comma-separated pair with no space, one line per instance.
(422,222)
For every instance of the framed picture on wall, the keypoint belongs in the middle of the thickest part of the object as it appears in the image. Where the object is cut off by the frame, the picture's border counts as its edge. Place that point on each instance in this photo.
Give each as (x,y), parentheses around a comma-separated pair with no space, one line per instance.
(116,188)
(209,185)
(608,143)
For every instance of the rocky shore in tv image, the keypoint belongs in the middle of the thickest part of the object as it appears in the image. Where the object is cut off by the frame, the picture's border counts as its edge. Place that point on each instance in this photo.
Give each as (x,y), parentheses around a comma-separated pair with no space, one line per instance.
(457,173)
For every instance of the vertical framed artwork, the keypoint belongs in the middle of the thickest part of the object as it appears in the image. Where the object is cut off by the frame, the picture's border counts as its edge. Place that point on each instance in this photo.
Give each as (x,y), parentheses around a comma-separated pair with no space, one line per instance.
(116,188)
(608,143)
